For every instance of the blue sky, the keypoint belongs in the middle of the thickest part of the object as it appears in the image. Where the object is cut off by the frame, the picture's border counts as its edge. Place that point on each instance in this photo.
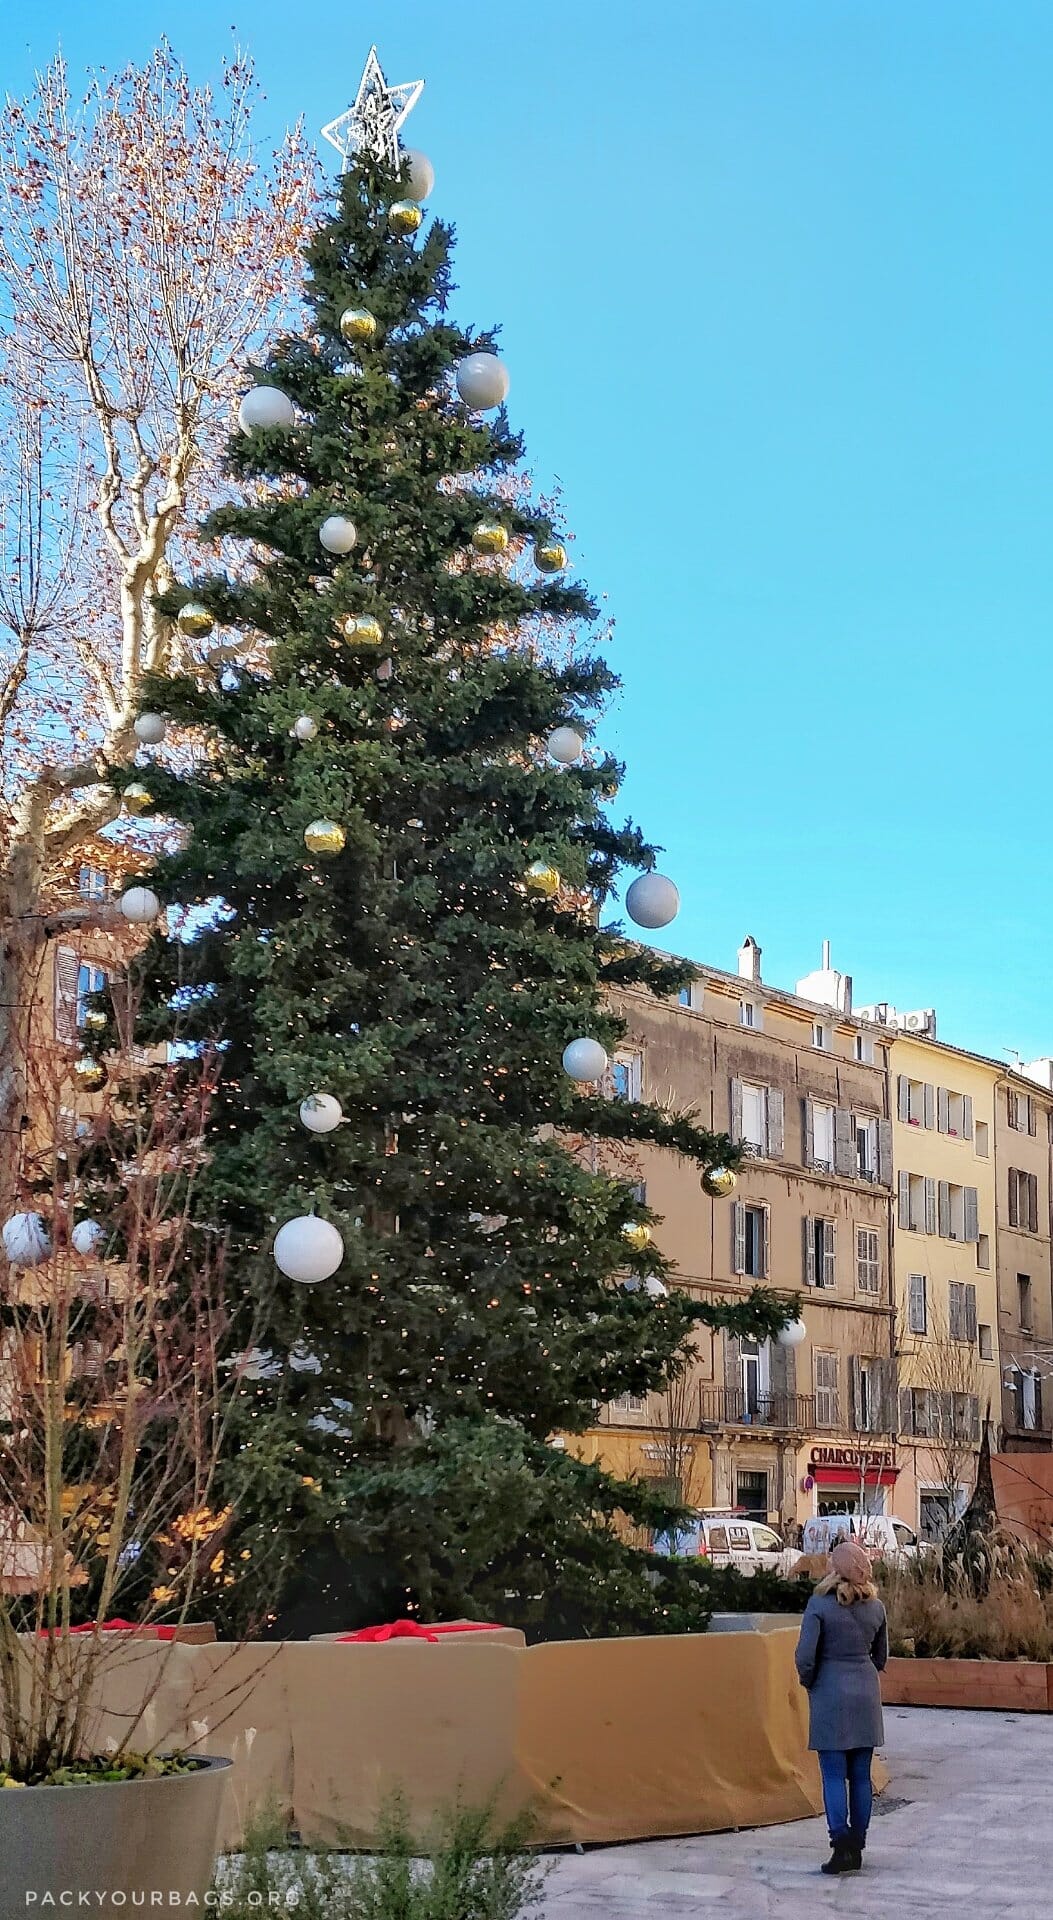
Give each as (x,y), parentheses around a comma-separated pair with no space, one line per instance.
(776,285)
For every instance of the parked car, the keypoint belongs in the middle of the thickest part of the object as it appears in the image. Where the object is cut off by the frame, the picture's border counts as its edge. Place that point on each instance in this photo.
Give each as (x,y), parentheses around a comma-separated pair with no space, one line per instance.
(729,1539)
(885,1538)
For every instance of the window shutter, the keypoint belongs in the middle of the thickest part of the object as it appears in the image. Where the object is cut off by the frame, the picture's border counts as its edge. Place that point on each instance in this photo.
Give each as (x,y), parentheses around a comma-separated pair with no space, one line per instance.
(972,1214)
(809,1133)
(736,1110)
(67,976)
(783,1370)
(844,1142)
(904,1201)
(1031,1120)
(889,1394)
(916,1317)
(945,1209)
(1014,1198)
(967,1116)
(732,1381)
(928,1105)
(955,1311)
(970,1312)
(974,1417)
(1032,1202)
(930,1206)
(763,1219)
(906,1411)
(809,1252)
(943,1109)
(776,1122)
(829,1253)
(1038,1405)
(738,1238)
(903,1096)
(856,1390)
(884,1152)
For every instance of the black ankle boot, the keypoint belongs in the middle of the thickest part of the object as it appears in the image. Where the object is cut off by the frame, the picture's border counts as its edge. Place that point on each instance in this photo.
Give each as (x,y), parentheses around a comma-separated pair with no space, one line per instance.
(843,1859)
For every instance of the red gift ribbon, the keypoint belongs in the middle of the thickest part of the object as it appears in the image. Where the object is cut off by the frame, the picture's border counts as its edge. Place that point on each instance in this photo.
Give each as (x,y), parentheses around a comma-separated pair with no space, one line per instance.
(412,1630)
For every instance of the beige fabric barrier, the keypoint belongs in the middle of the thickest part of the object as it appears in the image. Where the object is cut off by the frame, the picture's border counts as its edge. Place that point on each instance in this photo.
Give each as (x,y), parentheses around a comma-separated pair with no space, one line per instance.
(604,1739)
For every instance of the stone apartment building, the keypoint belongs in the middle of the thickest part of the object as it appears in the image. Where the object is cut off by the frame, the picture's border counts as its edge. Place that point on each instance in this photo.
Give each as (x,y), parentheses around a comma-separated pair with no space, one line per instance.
(1023,1135)
(779,1431)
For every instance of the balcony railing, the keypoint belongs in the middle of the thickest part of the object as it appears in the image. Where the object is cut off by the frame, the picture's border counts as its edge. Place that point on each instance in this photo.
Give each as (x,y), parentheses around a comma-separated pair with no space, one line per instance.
(793,1412)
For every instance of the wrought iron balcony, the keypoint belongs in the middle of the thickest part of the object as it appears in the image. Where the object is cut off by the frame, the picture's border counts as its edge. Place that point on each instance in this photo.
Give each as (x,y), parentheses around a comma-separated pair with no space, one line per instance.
(792,1412)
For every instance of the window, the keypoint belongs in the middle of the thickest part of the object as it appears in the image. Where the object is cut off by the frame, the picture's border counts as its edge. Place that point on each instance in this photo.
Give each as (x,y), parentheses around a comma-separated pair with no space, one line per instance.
(1029,1400)
(935,1516)
(866,1394)
(954,1113)
(629,1403)
(1020,1111)
(917,1407)
(864,1048)
(821,1036)
(684,997)
(822,1136)
(627,1076)
(749,1014)
(868,1260)
(983,1140)
(961,1311)
(750,1230)
(766,1540)
(93,883)
(757,1118)
(915,1102)
(89,980)
(1023,1200)
(983,1251)
(917,1303)
(820,1248)
(751,1494)
(866,1132)
(957,1211)
(917,1203)
(825,1389)
(754,1375)
(1024,1308)
(985,1341)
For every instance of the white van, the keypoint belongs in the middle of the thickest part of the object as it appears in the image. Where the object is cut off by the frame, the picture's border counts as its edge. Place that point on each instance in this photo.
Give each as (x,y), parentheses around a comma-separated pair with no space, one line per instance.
(886,1539)
(729,1539)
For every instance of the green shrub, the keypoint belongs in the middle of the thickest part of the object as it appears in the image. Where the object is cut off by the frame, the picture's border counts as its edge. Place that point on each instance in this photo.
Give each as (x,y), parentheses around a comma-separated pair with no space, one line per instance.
(468,1869)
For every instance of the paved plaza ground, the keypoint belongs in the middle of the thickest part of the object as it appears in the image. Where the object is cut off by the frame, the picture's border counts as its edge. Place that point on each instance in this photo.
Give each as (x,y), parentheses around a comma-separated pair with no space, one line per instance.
(965,1827)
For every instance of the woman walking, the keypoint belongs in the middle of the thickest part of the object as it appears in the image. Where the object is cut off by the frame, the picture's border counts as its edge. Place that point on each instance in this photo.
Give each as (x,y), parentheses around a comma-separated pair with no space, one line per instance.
(842,1648)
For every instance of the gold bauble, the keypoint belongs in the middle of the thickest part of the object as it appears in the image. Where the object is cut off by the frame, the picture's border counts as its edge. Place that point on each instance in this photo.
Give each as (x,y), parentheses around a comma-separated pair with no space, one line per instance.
(324,836)
(550,556)
(636,1235)
(89,1074)
(718,1182)
(490,537)
(194,619)
(404,216)
(358,324)
(361,630)
(95,1020)
(137,798)
(541,878)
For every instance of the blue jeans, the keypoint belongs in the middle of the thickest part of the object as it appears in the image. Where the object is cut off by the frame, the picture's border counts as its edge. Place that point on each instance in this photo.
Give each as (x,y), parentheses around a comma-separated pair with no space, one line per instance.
(847,1794)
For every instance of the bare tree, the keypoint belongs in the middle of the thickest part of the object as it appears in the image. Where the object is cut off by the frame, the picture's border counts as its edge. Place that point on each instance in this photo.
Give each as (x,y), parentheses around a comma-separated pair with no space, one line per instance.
(145,251)
(943,1369)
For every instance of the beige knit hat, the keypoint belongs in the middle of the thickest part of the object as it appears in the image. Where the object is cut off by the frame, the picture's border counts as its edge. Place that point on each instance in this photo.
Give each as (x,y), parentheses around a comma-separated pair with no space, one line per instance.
(851,1562)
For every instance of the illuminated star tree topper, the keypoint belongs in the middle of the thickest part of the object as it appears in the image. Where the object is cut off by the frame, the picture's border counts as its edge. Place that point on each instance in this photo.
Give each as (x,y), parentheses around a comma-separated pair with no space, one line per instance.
(373,124)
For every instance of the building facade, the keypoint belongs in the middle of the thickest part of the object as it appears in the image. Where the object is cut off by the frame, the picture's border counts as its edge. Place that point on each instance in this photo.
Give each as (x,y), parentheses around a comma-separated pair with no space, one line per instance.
(780,1432)
(1022,1136)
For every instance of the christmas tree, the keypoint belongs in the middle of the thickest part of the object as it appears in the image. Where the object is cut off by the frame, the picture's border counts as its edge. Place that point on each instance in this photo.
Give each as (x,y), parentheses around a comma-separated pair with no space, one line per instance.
(398,850)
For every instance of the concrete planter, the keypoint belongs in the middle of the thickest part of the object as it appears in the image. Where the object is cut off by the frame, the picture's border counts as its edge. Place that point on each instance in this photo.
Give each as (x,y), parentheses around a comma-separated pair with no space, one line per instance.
(123,1844)
(1014,1686)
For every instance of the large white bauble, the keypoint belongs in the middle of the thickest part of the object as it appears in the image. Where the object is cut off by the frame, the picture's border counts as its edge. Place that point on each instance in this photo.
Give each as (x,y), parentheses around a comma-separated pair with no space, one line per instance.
(88,1236)
(150,729)
(320,1113)
(655,1287)
(792,1333)
(302,1360)
(418,175)
(308,1249)
(338,534)
(305,729)
(140,905)
(652,900)
(482,381)
(566,745)
(585,1060)
(265,407)
(26,1239)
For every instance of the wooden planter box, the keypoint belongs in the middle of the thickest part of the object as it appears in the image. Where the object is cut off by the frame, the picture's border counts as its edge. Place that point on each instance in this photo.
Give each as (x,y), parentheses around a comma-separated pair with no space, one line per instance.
(1014,1686)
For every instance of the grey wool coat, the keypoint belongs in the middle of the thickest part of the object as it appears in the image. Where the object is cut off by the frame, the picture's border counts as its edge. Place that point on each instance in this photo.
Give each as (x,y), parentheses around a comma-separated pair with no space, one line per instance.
(840,1652)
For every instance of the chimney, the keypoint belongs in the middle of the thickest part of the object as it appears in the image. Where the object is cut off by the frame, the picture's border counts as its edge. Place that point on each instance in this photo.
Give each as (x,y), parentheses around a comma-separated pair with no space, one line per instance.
(828,987)
(749,959)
